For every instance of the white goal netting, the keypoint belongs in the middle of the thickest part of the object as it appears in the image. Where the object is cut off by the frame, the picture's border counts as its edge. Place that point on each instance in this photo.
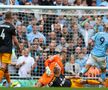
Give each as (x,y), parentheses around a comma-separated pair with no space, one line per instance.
(58,29)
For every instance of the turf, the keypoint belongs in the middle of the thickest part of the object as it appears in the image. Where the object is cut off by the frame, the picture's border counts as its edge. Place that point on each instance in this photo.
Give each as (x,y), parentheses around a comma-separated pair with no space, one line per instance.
(53,88)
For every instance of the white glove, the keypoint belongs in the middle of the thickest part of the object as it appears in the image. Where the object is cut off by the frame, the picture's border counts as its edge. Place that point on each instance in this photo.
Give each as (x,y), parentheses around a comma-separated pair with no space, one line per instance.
(48,71)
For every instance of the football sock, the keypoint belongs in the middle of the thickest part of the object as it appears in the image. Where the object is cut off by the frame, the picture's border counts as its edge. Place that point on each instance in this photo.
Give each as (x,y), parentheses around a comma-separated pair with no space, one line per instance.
(2,70)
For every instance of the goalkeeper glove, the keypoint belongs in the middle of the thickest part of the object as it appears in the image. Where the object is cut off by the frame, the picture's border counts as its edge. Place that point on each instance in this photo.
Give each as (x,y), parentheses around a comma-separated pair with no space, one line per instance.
(48,71)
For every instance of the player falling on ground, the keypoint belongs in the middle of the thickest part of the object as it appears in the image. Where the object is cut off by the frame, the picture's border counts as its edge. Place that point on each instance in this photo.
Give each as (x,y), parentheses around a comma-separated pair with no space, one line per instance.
(59,80)
(98,53)
(7,37)
(50,63)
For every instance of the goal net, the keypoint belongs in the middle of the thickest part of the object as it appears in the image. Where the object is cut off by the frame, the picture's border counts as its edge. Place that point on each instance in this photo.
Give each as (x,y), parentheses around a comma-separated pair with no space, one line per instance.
(58,29)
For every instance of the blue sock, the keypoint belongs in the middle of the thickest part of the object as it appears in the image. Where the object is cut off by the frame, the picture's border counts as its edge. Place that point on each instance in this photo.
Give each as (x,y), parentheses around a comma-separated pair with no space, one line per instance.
(103,76)
(83,70)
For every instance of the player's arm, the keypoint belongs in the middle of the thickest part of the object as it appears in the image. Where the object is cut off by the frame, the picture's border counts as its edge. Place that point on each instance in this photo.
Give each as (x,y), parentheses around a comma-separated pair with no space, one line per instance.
(47,63)
(92,81)
(15,40)
(91,42)
(49,60)
(72,77)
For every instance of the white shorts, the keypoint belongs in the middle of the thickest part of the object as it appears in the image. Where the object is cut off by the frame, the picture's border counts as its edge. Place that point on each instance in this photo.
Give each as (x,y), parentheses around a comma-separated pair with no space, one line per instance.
(97,61)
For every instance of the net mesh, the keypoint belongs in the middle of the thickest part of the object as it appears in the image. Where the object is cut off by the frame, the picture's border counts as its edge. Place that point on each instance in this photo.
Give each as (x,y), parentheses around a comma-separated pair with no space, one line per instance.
(58,30)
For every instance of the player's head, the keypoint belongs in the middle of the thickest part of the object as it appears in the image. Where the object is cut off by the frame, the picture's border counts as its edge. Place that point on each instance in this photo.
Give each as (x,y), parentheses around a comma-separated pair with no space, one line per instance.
(8,15)
(57,70)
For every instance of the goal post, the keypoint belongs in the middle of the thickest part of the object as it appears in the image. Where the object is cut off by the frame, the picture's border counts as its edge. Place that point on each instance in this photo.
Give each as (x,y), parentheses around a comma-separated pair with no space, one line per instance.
(59,21)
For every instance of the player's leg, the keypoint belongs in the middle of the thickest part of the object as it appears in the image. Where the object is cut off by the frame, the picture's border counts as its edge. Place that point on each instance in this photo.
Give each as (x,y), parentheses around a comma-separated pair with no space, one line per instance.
(102,64)
(6,59)
(38,84)
(44,80)
(7,75)
(2,70)
(93,82)
(89,63)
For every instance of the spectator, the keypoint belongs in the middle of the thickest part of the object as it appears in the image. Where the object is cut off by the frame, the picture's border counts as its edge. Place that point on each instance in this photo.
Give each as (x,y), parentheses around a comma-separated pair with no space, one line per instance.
(85,52)
(25,2)
(12,2)
(35,50)
(57,30)
(41,43)
(58,3)
(70,48)
(81,60)
(48,21)
(25,63)
(71,67)
(80,42)
(104,3)
(94,3)
(41,28)
(30,26)
(17,52)
(105,19)
(1,18)
(89,2)
(52,36)
(77,52)
(87,33)
(74,34)
(45,2)
(71,2)
(57,22)
(63,21)
(99,25)
(66,3)
(2,2)
(62,44)
(51,49)
(21,35)
(40,64)
(78,3)
(17,22)
(35,34)
(35,2)
(65,33)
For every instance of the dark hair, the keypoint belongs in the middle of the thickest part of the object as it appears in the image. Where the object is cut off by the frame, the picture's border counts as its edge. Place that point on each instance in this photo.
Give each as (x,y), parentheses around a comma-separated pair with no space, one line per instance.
(8,15)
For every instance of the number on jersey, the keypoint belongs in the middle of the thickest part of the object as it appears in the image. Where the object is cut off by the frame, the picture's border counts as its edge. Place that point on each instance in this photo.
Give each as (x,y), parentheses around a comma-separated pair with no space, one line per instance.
(2,35)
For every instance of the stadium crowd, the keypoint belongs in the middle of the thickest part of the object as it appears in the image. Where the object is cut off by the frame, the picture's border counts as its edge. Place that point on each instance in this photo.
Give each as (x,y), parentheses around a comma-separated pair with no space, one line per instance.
(56,2)
(54,34)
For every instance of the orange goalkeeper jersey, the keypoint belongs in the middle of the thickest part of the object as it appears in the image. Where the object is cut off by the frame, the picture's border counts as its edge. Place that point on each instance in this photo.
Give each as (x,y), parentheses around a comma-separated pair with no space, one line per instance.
(51,63)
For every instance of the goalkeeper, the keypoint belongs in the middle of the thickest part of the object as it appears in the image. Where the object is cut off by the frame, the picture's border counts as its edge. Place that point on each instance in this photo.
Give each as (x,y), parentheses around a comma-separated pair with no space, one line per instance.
(50,63)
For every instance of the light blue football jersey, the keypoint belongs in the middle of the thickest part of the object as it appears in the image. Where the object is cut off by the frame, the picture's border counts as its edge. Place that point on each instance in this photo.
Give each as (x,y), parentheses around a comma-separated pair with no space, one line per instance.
(100,44)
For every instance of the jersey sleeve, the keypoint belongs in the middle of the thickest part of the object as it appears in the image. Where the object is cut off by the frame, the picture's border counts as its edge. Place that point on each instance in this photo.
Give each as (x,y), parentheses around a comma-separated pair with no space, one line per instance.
(94,37)
(49,60)
(13,31)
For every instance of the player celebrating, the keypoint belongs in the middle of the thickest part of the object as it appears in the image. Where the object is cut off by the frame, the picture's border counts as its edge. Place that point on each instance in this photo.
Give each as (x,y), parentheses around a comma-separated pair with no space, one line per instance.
(50,63)
(7,37)
(60,80)
(98,53)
